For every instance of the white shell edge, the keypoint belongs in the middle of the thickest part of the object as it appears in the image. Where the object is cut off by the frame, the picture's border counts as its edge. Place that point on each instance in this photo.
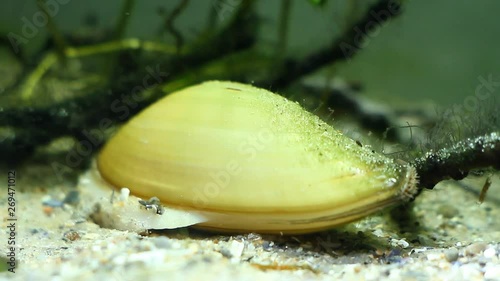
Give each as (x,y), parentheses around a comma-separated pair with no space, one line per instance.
(121,211)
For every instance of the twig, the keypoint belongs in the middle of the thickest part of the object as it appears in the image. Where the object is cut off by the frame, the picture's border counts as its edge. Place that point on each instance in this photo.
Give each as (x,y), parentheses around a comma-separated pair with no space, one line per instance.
(46,63)
(121,24)
(456,161)
(169,24)
(59,41)
(337,51)
(484,190)
(286,6)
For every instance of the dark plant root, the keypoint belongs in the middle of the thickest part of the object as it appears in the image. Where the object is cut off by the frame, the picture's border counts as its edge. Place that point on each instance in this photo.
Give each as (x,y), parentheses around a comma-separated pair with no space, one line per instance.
(457,161)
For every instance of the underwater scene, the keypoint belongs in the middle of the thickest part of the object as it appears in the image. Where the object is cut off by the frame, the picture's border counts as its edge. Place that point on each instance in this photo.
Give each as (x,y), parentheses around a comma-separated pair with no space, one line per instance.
(249,140)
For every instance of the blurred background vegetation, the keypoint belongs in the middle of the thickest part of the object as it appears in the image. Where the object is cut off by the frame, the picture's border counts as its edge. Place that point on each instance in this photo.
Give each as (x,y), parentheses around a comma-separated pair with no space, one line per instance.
(434,50)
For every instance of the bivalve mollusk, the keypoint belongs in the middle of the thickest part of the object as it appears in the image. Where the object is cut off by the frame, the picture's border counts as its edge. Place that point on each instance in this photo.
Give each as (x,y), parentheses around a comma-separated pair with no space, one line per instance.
(238,158)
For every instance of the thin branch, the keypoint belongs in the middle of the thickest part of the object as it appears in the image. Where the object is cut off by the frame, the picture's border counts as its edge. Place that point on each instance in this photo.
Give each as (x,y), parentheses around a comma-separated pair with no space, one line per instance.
(345,47)
(123,20)
(169,23)
(284,19)
(60,43)
(458,160)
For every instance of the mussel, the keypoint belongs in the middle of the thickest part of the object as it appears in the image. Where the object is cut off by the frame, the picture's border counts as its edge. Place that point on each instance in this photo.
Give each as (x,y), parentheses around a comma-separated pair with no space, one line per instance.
(240,158)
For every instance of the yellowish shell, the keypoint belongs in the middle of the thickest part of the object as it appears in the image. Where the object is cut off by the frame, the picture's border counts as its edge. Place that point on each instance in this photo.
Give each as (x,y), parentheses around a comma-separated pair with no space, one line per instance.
(249,160)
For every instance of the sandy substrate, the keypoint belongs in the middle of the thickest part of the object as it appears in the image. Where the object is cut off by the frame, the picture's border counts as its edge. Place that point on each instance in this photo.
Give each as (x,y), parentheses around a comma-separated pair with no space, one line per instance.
(450,237)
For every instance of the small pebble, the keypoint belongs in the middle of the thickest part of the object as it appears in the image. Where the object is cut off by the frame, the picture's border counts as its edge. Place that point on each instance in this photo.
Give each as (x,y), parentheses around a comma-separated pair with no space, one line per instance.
(71,236)
(492,273)
(378,233)
(225,252)
(267,246)
(451,254)
(54,203)
(236,249)
(434,256)
(162,242)
(471,272)
(72,197)
(48,210)
(418,250)
(253,236)
(124,194)
(489,253)
(475,248)
(402,243)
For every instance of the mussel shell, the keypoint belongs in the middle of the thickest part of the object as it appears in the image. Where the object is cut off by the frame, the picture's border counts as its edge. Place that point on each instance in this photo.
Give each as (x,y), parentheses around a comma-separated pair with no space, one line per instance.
(251,160)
